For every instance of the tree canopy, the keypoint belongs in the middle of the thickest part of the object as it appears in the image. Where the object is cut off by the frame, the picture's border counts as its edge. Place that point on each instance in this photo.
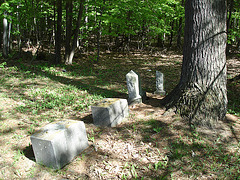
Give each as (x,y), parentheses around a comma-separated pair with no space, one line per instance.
(121,24)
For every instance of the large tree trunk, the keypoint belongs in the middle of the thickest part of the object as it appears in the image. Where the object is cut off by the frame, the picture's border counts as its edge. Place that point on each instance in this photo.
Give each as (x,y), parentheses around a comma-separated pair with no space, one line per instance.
(201,94)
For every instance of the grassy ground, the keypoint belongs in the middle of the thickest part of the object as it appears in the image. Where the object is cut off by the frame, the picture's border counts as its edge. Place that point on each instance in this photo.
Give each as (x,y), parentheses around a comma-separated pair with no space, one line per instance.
(150,144)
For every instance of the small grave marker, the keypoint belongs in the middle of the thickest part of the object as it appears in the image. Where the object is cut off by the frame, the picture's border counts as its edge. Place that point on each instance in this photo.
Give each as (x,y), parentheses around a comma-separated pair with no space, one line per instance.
(159,84)
(58,143)
(109,112)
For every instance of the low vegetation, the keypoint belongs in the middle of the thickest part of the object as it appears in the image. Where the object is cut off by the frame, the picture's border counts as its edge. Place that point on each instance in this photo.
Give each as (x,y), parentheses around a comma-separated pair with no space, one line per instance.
(150,144)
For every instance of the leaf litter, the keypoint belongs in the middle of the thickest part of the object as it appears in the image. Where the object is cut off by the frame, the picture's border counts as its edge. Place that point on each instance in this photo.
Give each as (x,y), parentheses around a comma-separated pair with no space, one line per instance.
(150,144)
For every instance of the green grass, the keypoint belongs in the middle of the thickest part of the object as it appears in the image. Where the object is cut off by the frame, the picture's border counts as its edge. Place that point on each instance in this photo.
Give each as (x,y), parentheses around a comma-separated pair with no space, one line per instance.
(44,93)
(45,87)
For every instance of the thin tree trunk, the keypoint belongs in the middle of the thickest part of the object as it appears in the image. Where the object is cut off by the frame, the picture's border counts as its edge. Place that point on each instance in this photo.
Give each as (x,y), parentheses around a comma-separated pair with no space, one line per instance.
(99,37)
(69,7)
(75,39)
(98,40)
(160,41)
(179,42)
(54,23)
(18,29)
(229,20)
(5,36)
(171,35)
(86,22)
(201,94)
(9,44)
(58,38)
(230,14)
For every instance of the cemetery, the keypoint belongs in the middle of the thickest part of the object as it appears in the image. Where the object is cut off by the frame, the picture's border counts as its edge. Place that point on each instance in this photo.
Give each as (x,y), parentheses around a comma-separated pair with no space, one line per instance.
(56,144)
(103,90)
(116,133)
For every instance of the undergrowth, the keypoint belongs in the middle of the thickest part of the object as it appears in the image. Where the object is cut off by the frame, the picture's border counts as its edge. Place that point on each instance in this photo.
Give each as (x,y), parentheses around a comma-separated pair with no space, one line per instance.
(42,93)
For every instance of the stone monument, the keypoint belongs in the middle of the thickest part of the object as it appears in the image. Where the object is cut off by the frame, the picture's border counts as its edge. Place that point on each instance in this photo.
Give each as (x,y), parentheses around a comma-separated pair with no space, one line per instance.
(135,92)
(109,112)
(58,143)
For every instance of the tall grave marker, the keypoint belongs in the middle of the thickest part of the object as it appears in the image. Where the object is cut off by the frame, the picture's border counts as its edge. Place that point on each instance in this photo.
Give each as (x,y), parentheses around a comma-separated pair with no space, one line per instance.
(135,92)
(159,84)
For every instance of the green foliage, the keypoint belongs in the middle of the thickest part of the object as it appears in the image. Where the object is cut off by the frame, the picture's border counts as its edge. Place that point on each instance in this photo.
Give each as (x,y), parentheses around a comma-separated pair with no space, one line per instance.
(234,26)
(35,19)
(2,65)
(59,99)
(145,21)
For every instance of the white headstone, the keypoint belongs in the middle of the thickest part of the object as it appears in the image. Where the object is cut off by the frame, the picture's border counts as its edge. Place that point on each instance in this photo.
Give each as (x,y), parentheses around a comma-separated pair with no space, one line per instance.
(159,84)
(135,93)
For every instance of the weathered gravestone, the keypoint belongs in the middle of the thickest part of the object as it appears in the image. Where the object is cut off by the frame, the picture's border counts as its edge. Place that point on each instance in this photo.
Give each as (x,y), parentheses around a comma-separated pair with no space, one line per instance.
(58,143)
(109,112)
(159,84)
(135,92)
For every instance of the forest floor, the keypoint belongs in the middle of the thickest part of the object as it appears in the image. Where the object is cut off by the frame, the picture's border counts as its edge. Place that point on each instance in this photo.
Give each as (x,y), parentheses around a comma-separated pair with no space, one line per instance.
(150,144)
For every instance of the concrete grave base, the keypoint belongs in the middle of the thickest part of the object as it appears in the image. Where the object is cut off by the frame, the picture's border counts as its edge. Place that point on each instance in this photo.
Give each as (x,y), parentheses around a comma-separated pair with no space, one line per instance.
(110,112)
(134,101)
(161,93)
(58,143)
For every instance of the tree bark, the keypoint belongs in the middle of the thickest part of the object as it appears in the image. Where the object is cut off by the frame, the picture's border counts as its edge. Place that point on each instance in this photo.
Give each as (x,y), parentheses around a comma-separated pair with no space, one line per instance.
(9,44)
(75,39)
(5,37)
(230,14)
(58,37)
(201,94)
(179,43)
(171,34)
(230,9)
(69,7)
(99,29)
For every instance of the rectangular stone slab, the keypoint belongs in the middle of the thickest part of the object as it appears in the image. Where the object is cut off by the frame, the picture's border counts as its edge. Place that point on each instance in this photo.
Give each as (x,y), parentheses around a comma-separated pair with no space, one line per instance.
(58,143)
(110,112)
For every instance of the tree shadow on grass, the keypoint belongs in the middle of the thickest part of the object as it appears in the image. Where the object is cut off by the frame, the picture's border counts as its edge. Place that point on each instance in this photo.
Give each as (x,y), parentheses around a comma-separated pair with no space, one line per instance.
(182,154)
(176,154)
(90,88)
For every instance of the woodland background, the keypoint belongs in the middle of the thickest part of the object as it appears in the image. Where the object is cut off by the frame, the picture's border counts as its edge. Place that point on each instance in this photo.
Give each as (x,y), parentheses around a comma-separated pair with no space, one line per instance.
(99,25)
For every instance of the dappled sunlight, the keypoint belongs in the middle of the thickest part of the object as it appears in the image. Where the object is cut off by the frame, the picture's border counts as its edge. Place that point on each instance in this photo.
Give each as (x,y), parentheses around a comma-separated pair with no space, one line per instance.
(150,143)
